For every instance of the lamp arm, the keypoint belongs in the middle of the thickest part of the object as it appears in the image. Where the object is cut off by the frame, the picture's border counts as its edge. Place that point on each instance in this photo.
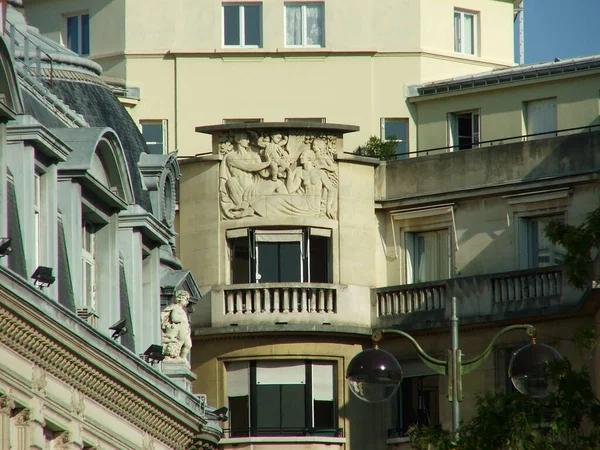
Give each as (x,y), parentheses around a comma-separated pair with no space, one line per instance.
(474,363)
(437,365)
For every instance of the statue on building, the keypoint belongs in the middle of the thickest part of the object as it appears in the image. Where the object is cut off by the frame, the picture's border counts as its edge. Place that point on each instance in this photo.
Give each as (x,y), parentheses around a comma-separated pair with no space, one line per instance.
(176,331)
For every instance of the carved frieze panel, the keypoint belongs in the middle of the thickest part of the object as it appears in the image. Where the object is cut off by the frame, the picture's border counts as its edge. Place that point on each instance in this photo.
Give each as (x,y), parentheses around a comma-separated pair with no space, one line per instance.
(276,173)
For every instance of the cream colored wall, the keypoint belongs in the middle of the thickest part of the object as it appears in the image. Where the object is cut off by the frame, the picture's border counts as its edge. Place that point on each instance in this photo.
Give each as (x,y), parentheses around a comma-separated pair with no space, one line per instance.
(502,110)
(495,28)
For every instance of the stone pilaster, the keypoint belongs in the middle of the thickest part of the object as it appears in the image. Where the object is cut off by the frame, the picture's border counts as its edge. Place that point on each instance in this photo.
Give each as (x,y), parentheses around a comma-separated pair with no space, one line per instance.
(179,373)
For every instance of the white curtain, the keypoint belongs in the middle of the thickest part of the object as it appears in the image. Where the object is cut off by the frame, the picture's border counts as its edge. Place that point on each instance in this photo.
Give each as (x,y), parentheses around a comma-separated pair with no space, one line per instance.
(457,32)
(469,34)
(293,23)
(314,25)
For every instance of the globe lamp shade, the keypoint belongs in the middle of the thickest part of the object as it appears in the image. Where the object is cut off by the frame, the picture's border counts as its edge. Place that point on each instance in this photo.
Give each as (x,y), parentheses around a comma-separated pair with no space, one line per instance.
(527,369)
(374,375)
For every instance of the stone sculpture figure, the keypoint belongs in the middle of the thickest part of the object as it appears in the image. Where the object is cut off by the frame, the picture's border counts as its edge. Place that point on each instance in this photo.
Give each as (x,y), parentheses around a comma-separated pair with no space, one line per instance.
(276,153)
(176,331)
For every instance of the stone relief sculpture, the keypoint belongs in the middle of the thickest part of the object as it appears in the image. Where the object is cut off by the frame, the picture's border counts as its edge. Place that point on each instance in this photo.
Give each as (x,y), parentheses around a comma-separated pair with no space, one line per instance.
(273,175)
(176,331)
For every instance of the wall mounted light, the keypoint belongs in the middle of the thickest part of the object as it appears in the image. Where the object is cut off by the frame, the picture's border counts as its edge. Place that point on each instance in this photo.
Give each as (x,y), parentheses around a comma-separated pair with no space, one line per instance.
(43,277)
(153,354)
(119,329)
(5,246)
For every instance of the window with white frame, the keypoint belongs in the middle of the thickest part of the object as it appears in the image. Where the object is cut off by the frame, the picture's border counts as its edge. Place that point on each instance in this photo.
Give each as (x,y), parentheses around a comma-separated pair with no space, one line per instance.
(306,119)
(416,402)
(280,255)
(281,398)
(541,118)
(465,32)
(428,255)
(155,135)
(540,251)
(464,129)
(88,271)
(396,129)
(37,217)
(78,33)
(304,25)
(242,24)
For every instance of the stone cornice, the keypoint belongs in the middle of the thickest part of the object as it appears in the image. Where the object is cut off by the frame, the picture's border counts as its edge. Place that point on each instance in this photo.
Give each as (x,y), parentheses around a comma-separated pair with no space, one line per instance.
(46,142)
(65,353)
(149,226)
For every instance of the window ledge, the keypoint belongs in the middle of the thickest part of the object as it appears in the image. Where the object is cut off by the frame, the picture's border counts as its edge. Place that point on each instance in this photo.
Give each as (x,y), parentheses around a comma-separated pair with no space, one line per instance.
(284,439)
(397,440)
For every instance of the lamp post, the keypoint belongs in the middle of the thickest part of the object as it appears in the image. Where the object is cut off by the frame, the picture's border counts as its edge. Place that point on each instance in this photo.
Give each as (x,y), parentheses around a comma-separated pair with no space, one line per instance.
(374,375)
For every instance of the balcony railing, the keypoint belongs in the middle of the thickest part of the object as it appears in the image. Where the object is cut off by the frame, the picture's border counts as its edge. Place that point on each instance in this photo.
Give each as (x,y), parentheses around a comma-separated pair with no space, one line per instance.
(283,431)
(484,297)
(280,298)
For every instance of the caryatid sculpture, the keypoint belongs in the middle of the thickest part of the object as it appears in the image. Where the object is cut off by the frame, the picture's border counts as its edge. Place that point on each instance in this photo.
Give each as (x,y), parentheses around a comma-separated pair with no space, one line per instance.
(176,331)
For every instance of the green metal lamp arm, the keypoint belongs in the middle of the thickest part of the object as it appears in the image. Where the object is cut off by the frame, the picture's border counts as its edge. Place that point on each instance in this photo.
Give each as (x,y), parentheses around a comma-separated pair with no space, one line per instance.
(437,365)
(474,363)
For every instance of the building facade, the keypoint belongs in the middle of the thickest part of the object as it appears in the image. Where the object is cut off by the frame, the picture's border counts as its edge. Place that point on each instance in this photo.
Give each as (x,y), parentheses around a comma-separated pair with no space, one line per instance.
(334,61)
(87,263)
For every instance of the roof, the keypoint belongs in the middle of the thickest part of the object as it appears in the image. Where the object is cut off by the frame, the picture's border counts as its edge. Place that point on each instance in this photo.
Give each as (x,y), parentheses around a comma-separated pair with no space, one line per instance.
(506,76)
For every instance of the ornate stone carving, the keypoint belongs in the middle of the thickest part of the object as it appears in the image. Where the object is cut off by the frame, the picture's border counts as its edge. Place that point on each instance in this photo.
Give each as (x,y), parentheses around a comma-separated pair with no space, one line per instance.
(176,331)
(7,403)
(275,175)
(77,402)
(38,380)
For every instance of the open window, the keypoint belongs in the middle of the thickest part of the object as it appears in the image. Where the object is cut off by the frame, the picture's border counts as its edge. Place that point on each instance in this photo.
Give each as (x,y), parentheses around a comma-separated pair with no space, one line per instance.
(464,130)
(280,255)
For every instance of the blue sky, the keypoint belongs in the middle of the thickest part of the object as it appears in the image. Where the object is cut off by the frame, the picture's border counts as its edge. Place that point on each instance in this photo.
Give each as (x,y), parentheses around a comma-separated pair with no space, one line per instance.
(561,28)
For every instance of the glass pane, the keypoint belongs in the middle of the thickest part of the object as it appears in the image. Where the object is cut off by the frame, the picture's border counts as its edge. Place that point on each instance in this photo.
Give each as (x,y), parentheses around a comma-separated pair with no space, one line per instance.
(231,32)
(469,34)
(85,34)
(293,25)
(420,274)
(293,415)
(152,132)
(457,32)
(397,128)
(73,33)
(268,409)
(323,415)
(319,260)
(268,262)
(240,260)
(314,25)
(252,25)
(289,262)
(239,416)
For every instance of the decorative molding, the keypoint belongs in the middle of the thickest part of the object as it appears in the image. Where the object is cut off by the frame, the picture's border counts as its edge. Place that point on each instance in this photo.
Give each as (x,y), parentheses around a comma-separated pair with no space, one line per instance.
(66,366)
(38,380)
(77,403)
(7,403)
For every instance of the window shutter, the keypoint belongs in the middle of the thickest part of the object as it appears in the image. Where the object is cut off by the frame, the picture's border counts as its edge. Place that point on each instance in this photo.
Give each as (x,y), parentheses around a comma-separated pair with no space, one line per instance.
(280,372)
(322,378)
(237,379)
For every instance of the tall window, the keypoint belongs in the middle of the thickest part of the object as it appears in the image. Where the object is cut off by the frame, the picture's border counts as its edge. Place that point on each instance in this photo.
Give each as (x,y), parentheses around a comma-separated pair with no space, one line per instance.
(428,256)
(304,25)
(78,34)
(242,24)
(155,135)
(465,32)
(396,130)
(541,118)
(541,252)
(415,403)
(286,255)
(281,398)
(88,258)
(37,215)
(464,129)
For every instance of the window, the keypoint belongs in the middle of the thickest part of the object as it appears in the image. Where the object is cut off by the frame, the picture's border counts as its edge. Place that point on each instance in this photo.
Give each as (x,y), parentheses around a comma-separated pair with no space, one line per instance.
(428,256)
(281,398)
(155,135)
(37,214)
(464,130)
(306,119)
(88,271)
(465,32)
(541,118)
(251,120)
(242,24)
(540,251)
(78,34)
(286,255)
(396,130)
(304,25)
(415,403)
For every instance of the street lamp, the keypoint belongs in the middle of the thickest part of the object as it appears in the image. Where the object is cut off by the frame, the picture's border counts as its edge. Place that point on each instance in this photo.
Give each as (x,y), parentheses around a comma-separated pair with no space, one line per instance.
(374,375)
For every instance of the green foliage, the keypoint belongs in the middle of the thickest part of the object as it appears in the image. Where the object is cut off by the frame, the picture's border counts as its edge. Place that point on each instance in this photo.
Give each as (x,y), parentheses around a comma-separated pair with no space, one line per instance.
(384,150)
(568,419)
(578,242)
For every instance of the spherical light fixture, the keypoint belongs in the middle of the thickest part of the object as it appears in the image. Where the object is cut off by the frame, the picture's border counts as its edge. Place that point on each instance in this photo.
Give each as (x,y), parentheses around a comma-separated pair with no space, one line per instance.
(527,369)
(374,375)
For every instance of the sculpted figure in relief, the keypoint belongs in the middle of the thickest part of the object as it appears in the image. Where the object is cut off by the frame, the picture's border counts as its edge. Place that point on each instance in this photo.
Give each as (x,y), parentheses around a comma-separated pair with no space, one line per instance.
(176,331)
(281,176)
